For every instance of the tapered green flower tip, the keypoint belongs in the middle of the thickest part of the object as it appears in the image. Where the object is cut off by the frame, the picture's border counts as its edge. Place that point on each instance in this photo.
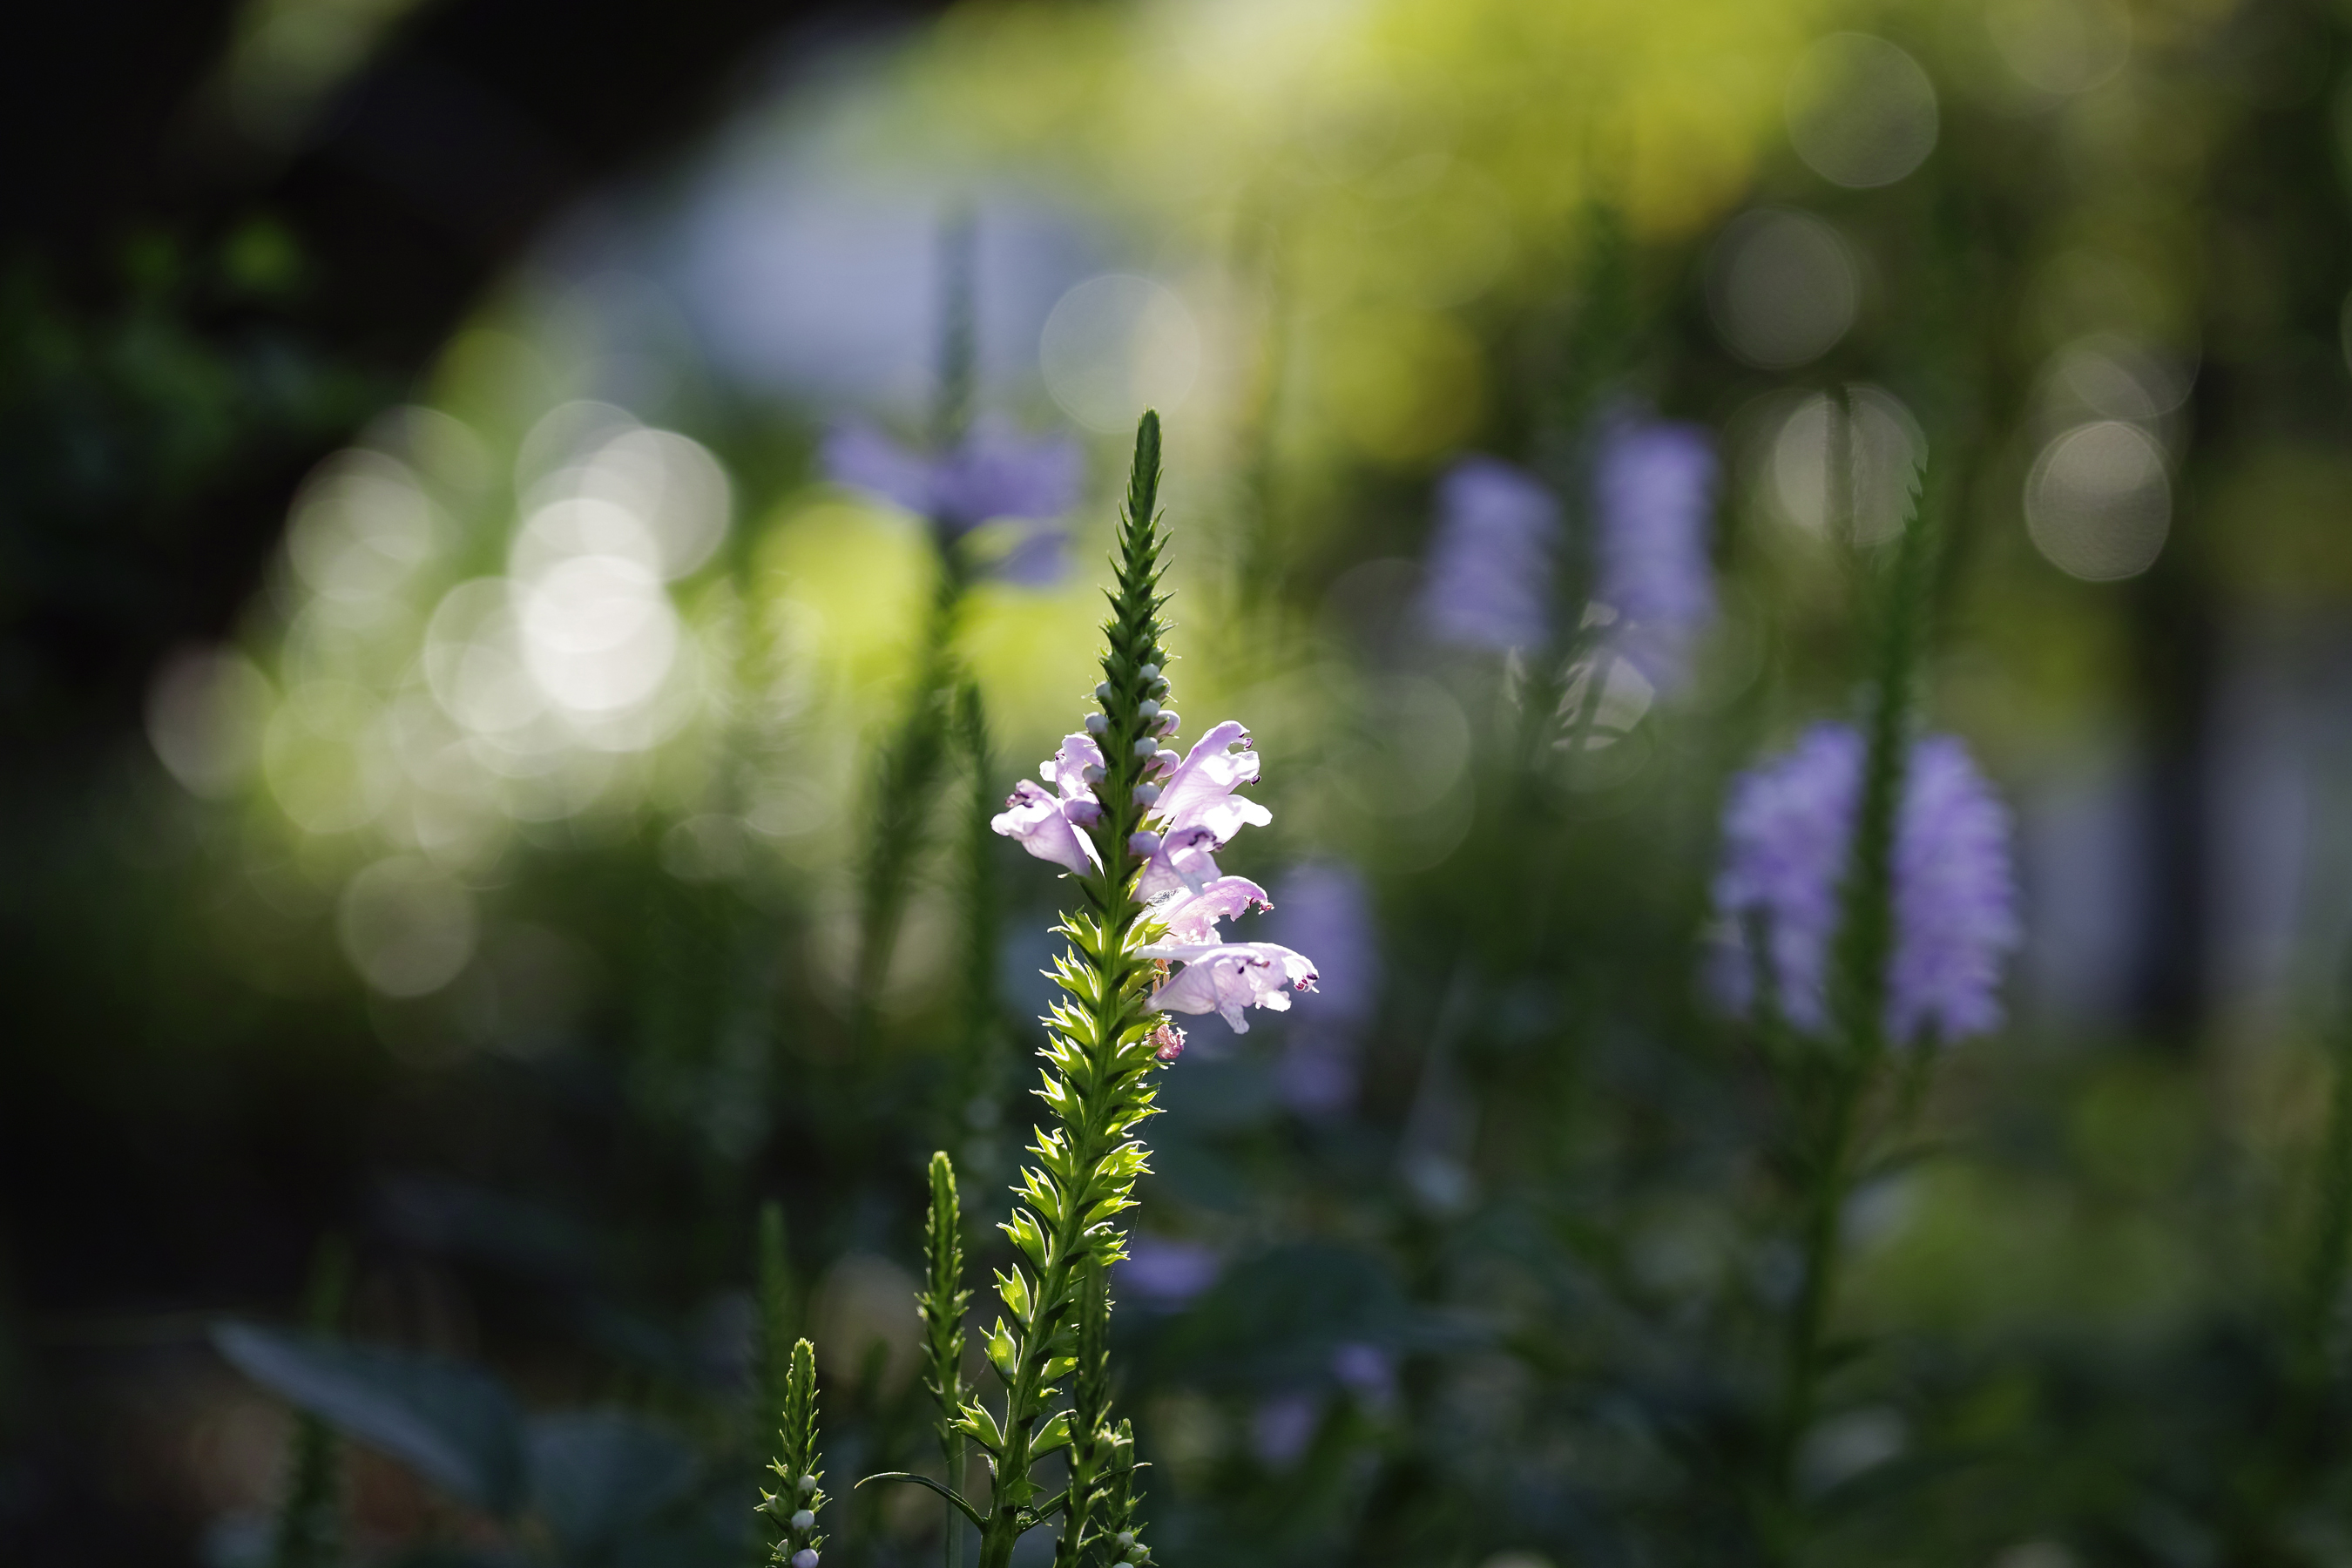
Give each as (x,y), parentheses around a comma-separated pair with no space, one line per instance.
(1143,480)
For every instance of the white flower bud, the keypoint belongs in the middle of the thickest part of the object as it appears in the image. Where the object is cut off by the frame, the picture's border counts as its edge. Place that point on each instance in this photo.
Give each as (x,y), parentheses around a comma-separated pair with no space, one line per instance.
(1102,692)
(805,1521)
(1092,772)
(1147,794)
(1170,723)
(1123,1540)
(1096,724)
(1150,672)
(804,1558)
(1149,710)
(808,1485)
(1146,746)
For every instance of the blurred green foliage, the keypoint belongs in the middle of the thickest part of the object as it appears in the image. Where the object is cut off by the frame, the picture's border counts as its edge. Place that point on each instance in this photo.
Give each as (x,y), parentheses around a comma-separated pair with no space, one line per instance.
(543,989)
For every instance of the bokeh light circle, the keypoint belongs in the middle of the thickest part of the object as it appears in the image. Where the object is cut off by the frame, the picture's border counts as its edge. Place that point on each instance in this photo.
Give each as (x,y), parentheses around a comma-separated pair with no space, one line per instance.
(1115,345)
(406,927)
(1884,447)
(1782,288)
(2098,502)
(1861,112)
(2060,47)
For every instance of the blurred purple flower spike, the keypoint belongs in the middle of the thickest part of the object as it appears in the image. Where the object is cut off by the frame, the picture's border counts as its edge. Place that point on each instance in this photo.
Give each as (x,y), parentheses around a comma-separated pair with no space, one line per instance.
(1490,559)
(1164,1272)
(1654,490)
(1955,897)
(1787,829)
(1327,911)
(994,472)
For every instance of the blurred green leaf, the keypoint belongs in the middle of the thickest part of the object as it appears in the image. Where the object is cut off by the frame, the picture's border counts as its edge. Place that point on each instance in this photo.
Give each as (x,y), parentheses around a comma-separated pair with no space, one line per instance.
(452,1424)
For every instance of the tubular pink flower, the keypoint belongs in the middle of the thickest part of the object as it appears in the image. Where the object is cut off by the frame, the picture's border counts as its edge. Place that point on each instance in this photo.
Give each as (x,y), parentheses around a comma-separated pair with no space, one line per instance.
(1048,825)
(1198,811)
(1225,978)
(1193,917)
(1200,790)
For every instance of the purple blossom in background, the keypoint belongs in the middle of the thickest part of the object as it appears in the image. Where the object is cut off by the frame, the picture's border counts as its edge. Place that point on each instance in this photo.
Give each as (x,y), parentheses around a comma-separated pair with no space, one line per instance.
(1490,560)
(1787,830)
(994,472)
(1654,494)
(1326,909)
(1282,1427)
(1367,1371)
(1166,1273)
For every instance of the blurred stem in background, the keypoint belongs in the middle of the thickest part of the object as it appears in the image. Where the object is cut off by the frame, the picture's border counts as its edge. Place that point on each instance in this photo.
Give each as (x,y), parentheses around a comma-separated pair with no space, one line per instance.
(1833,1081)
(974,1090)
(309,1532)
(909,764)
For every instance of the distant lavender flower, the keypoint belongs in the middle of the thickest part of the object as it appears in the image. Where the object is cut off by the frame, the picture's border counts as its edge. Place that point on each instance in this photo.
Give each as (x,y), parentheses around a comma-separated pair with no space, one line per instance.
(1366,1371)
(994,472)
(1787,830)
(1327,911)
(1490,560)
(1282,1427)
(1653,492)
(1167,1273)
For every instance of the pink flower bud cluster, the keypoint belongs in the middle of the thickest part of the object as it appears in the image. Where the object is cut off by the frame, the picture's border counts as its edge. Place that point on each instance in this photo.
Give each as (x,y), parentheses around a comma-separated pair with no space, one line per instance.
(1191,813)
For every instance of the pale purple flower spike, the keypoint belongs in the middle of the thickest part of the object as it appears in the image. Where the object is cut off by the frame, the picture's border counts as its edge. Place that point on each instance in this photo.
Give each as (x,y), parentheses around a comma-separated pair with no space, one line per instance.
(1490,560)
(994,472)
(1196,814)
(1654,494)
(1787,831)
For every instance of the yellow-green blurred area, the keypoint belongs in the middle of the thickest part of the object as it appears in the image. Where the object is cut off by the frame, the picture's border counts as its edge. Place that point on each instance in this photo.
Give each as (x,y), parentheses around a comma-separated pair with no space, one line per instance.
(492,890)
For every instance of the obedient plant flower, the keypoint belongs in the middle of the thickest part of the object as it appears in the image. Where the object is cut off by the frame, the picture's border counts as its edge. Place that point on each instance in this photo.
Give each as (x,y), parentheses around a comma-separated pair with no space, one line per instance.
(1788,830)
(1192,813)
(1052,827)
(1490,560)
(1654,494)
(994,472)
(1135,826)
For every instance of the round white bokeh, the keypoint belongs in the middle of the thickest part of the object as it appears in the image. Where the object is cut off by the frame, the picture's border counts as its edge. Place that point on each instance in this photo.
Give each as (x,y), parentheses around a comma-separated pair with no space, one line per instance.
(406,927)
(1782,288)
(1861,112)
(1884,447)
(1115,345)
(2060,47)
(2098,502)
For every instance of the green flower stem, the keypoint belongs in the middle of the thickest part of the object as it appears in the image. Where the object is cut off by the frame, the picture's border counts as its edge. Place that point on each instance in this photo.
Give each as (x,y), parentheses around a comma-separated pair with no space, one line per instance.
(978,1083)
(1099,1057)
(906,781)
(800,1492)
(916,753)
(1845,1072)
(307,1533)
(942,1306)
